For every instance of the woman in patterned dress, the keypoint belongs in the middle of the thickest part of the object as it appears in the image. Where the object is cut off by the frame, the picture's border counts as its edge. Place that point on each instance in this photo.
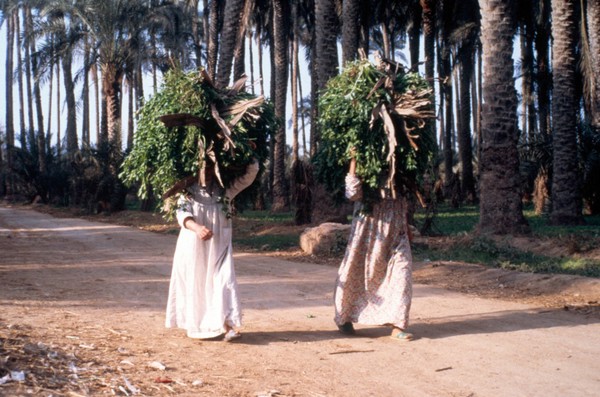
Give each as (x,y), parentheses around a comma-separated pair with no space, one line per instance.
(203,297)
(374,283)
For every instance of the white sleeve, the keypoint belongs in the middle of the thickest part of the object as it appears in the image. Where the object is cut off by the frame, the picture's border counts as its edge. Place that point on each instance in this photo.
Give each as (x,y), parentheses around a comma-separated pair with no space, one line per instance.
(353,188)
(184,209)
(243,181)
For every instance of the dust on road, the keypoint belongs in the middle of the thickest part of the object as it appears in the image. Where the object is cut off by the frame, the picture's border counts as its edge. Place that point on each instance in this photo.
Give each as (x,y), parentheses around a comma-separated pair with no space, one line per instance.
(82,313)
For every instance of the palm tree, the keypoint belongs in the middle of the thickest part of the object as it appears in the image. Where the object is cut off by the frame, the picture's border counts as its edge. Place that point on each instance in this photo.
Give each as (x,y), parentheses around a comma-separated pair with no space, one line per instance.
(501,209)
(466,35)
(20,86)
(8,12)
(566,189)
(429,16)
(281,10)
(212,51)
(444,12)
(593,29)
(294,82)
(324,58)
(192,8)
(229,36)
(64,30)
(350,30)
(415,27)
(34,96)
(239,55)
(117,30)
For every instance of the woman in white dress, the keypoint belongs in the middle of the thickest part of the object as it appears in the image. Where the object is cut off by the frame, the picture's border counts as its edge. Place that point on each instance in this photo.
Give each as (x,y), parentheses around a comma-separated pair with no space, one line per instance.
(203,297)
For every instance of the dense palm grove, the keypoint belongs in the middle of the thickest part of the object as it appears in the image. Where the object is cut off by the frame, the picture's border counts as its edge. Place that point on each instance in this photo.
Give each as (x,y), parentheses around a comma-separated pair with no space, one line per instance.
(511,129)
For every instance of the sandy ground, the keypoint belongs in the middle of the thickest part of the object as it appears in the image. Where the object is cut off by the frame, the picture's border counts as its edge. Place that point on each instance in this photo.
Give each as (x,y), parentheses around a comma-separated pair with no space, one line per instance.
(82,313)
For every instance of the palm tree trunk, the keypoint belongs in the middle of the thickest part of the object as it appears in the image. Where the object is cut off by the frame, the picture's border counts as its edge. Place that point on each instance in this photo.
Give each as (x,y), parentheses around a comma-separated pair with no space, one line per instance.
(414,34)
(501,210)
(593,20)
(58,112)
(28,78)
(37,95)
(385,34)
(71,130)
(428,7)
(130,112)
(325,59)
(112,79)
(251,61)
(8,84)
(85,98)
(294,83)
(566,186)
(280,35)
(476,105)
(479,104)
(96,83)
(228,42)
(465,145)
(326,27)
(213,37)
(350,30)
(20,86)
(365,21)
(239,67)
(544,80)
(447,93)
(50,93)
(193,8)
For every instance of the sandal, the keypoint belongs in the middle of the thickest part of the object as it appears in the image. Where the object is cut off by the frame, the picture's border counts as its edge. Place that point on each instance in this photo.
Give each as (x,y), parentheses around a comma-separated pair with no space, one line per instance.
(231,335)
(347,328)
(403,336)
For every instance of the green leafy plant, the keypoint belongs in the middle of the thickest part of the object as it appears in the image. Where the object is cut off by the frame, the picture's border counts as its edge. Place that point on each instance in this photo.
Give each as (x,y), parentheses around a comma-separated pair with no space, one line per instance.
(381,116)
(230,126)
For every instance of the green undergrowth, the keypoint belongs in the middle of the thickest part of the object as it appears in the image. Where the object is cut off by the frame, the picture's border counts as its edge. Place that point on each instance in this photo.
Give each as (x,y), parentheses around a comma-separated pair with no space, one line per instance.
(503,255)
(463,245)
(264,231)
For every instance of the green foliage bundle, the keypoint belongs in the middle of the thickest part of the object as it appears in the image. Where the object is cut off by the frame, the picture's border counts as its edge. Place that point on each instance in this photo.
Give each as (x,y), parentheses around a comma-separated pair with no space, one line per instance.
(358,110)
(162,156)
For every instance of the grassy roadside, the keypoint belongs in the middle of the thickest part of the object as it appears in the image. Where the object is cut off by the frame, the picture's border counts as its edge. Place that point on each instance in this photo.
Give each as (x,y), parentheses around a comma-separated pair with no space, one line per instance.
(263,231)
(570,244)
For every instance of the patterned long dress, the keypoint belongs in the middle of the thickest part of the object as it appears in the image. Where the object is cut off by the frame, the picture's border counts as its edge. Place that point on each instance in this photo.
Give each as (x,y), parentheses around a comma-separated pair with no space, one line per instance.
(374,283)
(203,295)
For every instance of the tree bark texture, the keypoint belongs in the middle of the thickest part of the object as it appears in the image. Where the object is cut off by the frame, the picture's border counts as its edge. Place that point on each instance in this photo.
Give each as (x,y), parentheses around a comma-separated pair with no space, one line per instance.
(10,126)
(111,89)
(71,128)
(566,183)
(465,143)
(326,28)
(281,11)
(231,25)
(501,209)
(350,30)
(593,22)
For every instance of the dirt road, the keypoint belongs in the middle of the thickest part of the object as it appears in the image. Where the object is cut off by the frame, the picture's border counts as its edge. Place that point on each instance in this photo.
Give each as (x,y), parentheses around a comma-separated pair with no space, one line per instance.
(85,302)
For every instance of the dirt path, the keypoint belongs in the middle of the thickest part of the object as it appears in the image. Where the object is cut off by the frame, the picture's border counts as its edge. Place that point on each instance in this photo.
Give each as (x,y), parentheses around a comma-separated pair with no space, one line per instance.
(82,305)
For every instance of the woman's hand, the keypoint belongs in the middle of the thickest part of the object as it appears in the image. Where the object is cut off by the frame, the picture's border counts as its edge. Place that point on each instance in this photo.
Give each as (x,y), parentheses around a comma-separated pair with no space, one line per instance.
(201,231)
(204,233)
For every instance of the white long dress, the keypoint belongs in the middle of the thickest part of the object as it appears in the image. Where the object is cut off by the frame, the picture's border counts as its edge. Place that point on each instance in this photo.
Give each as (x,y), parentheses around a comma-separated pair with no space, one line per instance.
(203,294)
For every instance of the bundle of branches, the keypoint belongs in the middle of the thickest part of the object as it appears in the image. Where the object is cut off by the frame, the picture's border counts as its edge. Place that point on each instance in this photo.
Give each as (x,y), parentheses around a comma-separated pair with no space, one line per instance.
(381,115)
(190,121)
